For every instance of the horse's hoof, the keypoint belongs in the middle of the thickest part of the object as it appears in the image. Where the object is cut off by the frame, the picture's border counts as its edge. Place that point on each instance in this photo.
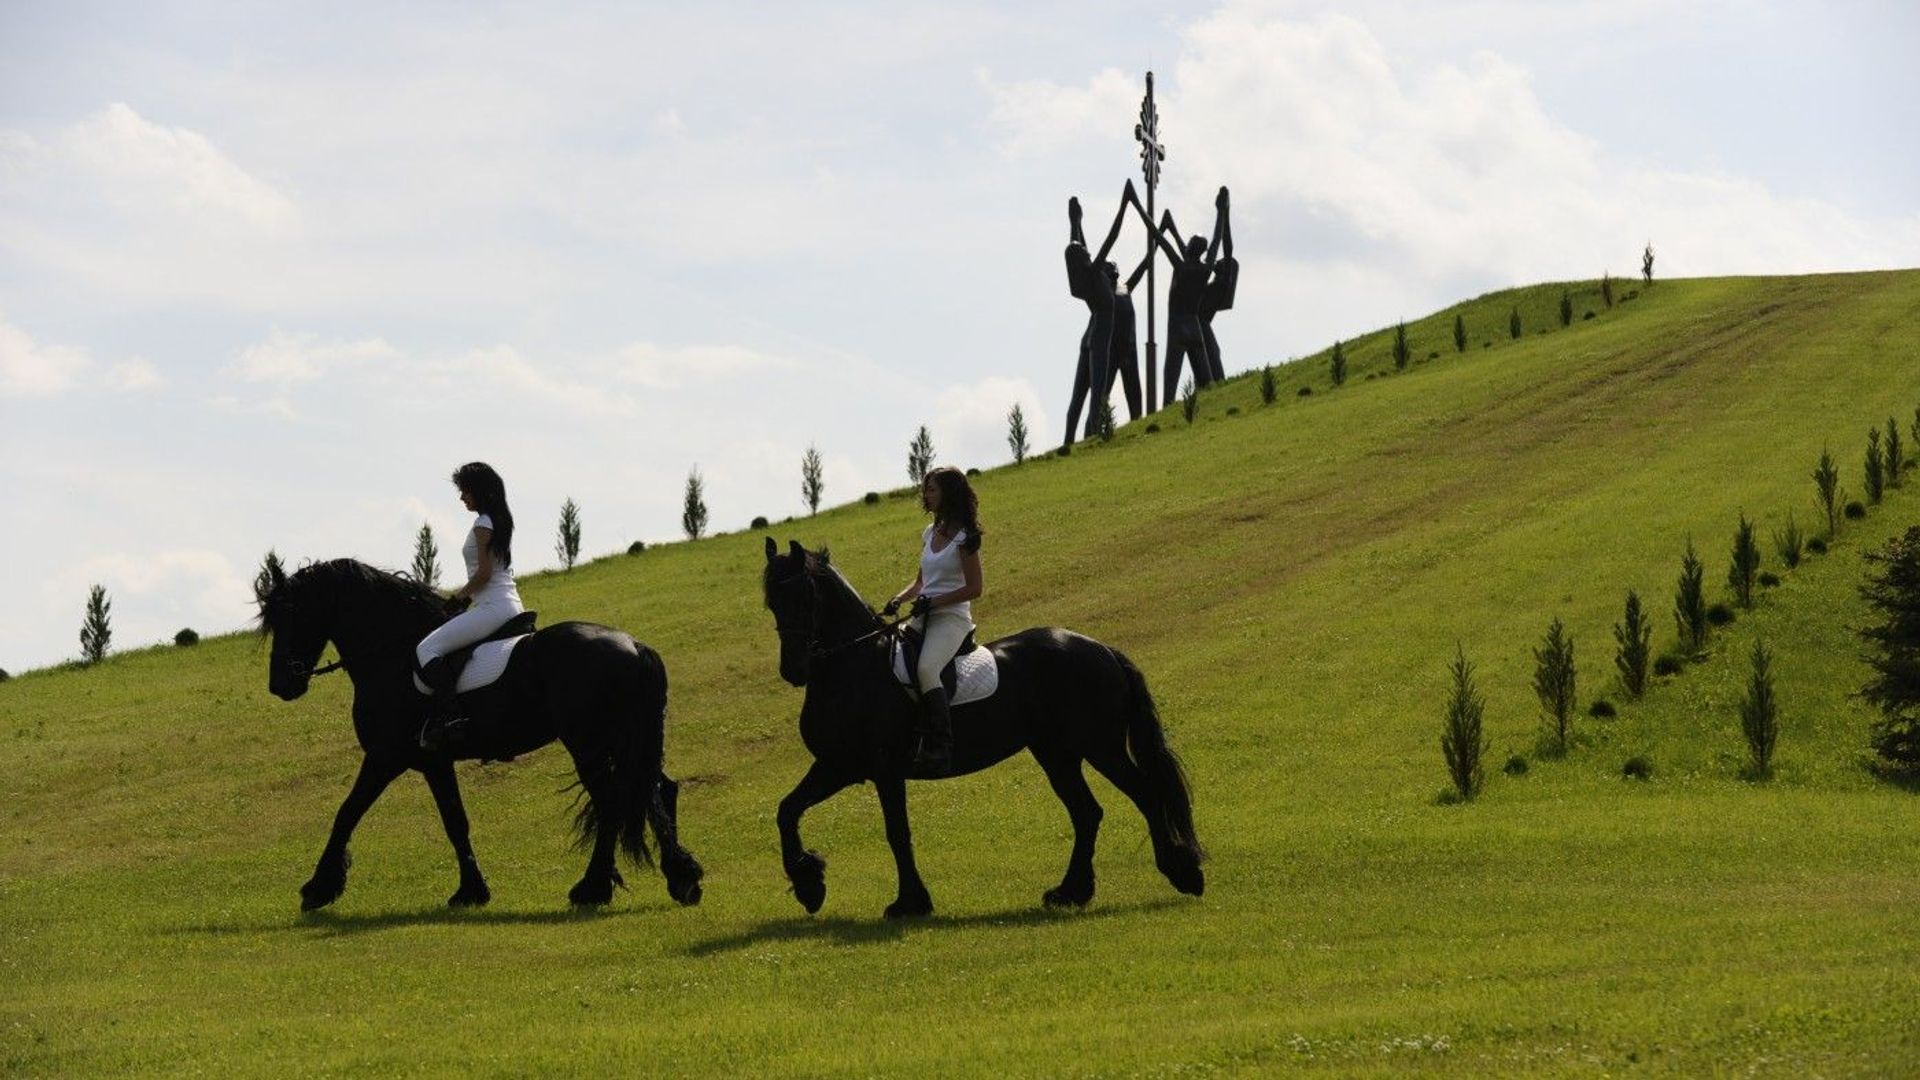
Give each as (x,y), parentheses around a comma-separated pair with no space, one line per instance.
(1183,871)
(475,895)
(315,894)
(808,873)
(683,878)
(686,895)
(591,893)
(910,907)
(1061,896)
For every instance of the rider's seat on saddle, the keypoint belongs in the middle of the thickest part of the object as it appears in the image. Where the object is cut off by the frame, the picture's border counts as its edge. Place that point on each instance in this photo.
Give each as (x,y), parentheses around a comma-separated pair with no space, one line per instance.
(972,674)
(491,649)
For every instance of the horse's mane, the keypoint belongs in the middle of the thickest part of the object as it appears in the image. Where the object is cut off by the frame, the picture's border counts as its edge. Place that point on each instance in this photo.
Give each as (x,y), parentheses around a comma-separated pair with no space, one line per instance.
(818,565)
(339,575)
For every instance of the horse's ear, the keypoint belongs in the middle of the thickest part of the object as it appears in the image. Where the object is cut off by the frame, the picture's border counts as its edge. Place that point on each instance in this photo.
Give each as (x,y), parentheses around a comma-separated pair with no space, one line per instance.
(794,549)
(772,549)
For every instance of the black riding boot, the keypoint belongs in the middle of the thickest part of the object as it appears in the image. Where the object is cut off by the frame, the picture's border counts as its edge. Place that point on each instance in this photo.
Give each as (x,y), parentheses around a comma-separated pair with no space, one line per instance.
(935,753)
(439,678)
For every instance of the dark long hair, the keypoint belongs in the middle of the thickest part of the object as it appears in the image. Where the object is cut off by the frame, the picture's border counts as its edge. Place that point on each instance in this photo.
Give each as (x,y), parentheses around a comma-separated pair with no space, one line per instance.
(489,492)
(959,506)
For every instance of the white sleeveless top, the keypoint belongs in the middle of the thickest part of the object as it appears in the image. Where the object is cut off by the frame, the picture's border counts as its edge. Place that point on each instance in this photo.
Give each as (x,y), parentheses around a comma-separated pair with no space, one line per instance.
(498,587)
(941,573)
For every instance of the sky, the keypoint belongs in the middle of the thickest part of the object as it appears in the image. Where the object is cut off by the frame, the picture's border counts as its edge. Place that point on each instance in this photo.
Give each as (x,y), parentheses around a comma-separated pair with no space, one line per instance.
(268,275)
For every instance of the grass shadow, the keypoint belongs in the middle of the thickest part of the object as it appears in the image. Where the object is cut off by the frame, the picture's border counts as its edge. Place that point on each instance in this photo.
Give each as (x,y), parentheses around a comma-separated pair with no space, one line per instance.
(847,931)
(325,923)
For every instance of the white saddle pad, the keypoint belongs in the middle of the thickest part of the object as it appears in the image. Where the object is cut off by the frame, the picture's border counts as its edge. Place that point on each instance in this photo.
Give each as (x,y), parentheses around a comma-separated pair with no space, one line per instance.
(488,664)
(976,674)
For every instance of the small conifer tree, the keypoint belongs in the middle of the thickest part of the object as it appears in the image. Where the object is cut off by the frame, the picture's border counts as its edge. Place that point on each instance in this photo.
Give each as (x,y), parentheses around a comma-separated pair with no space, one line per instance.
(693,508)
(1875,473)
(1461,741)
(426,557)
(1269,385)
(1566,308)
(1646,263)
(1017,433)
(1337,367)
(1553,681)
(1760,713)
(1459,332)
(1401,354)
(270,571)
(1189,401)
(1633,636)
(1892,591)
(1513,323)
(1745,565)
(1103,420)
(1690,603)
(812,479)
(919,456)
(1606,290)
(1789,543)
(567,546)
(1896,454)
(1826,481)
(96,630)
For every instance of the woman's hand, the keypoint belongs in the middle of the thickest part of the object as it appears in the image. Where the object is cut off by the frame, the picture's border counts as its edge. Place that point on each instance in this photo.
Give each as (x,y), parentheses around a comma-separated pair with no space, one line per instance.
(921,605)
(892,608)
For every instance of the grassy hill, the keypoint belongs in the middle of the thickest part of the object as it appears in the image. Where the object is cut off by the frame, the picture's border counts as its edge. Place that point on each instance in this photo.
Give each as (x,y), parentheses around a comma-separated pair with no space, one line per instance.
(1293,579)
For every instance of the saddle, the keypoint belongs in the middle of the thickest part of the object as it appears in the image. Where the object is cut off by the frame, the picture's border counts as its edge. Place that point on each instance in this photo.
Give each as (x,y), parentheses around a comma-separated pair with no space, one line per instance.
(492,651)
(971,675)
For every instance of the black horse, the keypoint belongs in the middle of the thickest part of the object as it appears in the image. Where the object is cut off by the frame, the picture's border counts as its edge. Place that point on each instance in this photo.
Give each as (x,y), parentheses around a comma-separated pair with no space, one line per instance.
(1063,696)
(602,694)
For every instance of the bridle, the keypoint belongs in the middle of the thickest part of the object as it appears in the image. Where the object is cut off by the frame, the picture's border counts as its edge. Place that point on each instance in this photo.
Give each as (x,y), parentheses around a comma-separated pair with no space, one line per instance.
(817,651)
(301,669)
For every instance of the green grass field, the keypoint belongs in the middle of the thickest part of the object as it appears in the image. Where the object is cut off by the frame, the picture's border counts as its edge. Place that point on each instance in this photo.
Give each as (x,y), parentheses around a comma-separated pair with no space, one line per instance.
(1293,579)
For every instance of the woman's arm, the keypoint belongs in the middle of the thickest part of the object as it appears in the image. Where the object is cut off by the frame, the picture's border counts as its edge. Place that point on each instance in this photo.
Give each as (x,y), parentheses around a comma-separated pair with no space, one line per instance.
(975,583)
(912,590)
(482,536)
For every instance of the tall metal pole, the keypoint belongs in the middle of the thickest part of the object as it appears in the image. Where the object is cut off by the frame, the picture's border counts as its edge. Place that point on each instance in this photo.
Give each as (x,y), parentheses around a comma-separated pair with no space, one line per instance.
(1147,131)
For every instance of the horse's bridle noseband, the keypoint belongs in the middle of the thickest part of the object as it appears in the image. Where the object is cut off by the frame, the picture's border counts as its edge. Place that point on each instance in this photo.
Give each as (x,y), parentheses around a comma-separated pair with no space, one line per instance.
(817,651)
(304,670)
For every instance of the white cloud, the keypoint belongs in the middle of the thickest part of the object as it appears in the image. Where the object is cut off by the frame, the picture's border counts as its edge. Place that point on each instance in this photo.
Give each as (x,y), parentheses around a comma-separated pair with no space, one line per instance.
(970,429)
(662,367)
(155,593)
(146,169)
(504,371)
(134,374)
(289,358)
(31,370)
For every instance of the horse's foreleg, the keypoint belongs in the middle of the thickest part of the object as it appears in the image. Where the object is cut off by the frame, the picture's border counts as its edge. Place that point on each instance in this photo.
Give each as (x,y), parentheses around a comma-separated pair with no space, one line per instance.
(329,878)
(806,869)
(913,899)
(1076,888)
(473,890)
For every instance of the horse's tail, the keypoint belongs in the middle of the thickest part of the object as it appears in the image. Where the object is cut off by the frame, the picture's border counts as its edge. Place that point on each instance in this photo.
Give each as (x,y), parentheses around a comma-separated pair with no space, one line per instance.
(1166,779)
(632,765)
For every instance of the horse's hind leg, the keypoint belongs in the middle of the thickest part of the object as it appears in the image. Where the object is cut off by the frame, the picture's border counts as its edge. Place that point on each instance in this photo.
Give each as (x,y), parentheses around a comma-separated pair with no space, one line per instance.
(595,887)
(683,872)
(473,891)
(329,878)
(1076,888)
(1178,863)
(912,899)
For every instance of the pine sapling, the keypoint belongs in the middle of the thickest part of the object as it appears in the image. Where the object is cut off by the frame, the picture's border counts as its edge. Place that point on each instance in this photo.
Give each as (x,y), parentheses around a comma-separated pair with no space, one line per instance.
(1553,681)
(1896,459)
(1690,603)
(1269,385)
(1459,333)
(567,544)
(919,456)
(1401,354)
(1760,713)
(96,630)
(426,557)
(1566,308)
(1633,638)
(1189,401)
(1017,433)
(1875,472)
(1745,565)
(1789,544)
(813,482)
(1606,290)
(693,508)
(1892,591)
(1826,481)
(1461,741)
(1513,323)
(1337,367)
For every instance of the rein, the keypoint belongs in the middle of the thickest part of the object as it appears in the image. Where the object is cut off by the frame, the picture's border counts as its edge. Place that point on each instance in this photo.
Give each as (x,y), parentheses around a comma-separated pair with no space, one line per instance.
(301,669)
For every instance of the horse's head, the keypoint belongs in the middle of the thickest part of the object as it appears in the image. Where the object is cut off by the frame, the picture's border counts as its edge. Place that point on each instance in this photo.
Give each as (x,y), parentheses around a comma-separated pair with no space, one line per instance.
(794,601)
(290,612)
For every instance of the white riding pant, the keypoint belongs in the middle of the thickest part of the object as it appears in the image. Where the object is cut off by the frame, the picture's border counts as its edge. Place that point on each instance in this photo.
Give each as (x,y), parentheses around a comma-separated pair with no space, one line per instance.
(488,613)
(941,632)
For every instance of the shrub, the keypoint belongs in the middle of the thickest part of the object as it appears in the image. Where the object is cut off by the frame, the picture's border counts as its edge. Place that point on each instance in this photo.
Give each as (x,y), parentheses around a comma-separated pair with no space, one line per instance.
(3,675)
(1632,294)
(1461,742)
(1669,664)
(1606,290)
(1566,308)
(96,629)
(1768,579)
(919,456)
(1189,401)
(1855,511)
(1744,565)
(871,498)
(758,522)
(1892,591)
(1690,603)
(1720,615)
(1433,356)
(813,482)
(568,544)
(1017,433)
(1633,636)
(971,471)
(1269,385)
(1876,470)
(1788,543)
(1307,391)
(1513,323)
(1233,410)
(1638,767)
(1515,766)
(1153,427)
(1760,714)
(1826,482)
(693,507)
(426,557)
(1896,461)
(1602,709)
(637,547)
(1817,546)
(1459,333)
(1337,364)
(1587,316)
(1400,353)
(186,638)
(1553,681)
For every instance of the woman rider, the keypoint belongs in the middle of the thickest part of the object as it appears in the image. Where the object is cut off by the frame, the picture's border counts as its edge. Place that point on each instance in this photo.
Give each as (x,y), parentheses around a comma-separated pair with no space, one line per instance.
(489,597)
(949,579)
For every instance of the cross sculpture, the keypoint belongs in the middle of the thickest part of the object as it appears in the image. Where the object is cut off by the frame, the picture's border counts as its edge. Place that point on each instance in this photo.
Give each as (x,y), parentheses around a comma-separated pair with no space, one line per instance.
(1152,153)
